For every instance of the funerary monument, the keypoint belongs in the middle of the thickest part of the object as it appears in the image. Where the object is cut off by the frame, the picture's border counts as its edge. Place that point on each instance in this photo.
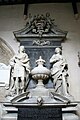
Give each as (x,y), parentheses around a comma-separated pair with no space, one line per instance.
(38,85)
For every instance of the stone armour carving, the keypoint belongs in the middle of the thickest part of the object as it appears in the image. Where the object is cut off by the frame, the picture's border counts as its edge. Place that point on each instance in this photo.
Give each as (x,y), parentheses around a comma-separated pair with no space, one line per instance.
(20,69)
(59,72)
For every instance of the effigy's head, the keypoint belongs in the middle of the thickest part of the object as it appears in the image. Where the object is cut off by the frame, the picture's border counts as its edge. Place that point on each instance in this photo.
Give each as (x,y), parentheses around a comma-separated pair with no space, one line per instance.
(58,50)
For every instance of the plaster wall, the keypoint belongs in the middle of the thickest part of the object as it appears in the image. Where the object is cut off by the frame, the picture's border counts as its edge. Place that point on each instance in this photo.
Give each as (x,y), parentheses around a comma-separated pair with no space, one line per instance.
(11,19)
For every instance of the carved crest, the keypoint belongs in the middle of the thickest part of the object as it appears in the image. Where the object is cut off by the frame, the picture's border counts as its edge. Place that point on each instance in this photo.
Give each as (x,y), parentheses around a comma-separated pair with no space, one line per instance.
(40,24)
(40,28)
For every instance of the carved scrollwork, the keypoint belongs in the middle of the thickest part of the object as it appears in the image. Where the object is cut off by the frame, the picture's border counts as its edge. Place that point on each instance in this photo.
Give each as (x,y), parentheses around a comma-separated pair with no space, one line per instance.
(41,42)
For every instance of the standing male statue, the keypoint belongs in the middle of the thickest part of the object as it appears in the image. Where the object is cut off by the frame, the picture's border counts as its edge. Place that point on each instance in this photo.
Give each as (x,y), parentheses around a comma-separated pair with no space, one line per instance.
(20,65)
(59,72)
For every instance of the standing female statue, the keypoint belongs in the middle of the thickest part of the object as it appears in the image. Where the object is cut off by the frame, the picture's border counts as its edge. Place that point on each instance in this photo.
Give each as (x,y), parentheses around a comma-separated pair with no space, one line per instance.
(59,72)
(20,64)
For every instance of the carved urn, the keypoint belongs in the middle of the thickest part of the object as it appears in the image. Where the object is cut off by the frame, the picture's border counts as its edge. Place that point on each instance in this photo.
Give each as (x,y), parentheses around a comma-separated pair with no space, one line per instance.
(40,73)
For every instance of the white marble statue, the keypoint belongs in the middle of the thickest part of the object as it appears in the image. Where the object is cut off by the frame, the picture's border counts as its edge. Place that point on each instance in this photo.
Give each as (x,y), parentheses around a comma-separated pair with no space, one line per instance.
(59,72)
(20,69)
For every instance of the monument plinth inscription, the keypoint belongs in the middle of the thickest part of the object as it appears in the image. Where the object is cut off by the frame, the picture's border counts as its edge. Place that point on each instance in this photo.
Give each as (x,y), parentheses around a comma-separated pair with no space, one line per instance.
(39,113)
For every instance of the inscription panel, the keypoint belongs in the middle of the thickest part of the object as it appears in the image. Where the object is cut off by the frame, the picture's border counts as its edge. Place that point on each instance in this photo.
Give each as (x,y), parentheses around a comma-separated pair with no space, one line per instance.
(39,113)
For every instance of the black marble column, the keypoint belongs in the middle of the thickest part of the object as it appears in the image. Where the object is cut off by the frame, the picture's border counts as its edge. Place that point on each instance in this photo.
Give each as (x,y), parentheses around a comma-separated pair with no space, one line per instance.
(74,5)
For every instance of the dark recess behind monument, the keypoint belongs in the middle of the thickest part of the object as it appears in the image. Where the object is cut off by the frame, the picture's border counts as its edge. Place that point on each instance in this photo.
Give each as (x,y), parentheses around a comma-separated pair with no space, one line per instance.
(13,2)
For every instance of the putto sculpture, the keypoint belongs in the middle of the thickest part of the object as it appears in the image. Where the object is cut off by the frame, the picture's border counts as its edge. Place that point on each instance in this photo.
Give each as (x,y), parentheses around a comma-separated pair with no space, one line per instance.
(20,69)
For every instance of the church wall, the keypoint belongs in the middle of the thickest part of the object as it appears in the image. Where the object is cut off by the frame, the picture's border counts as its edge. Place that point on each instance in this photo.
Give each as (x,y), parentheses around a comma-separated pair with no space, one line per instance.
(11,19)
